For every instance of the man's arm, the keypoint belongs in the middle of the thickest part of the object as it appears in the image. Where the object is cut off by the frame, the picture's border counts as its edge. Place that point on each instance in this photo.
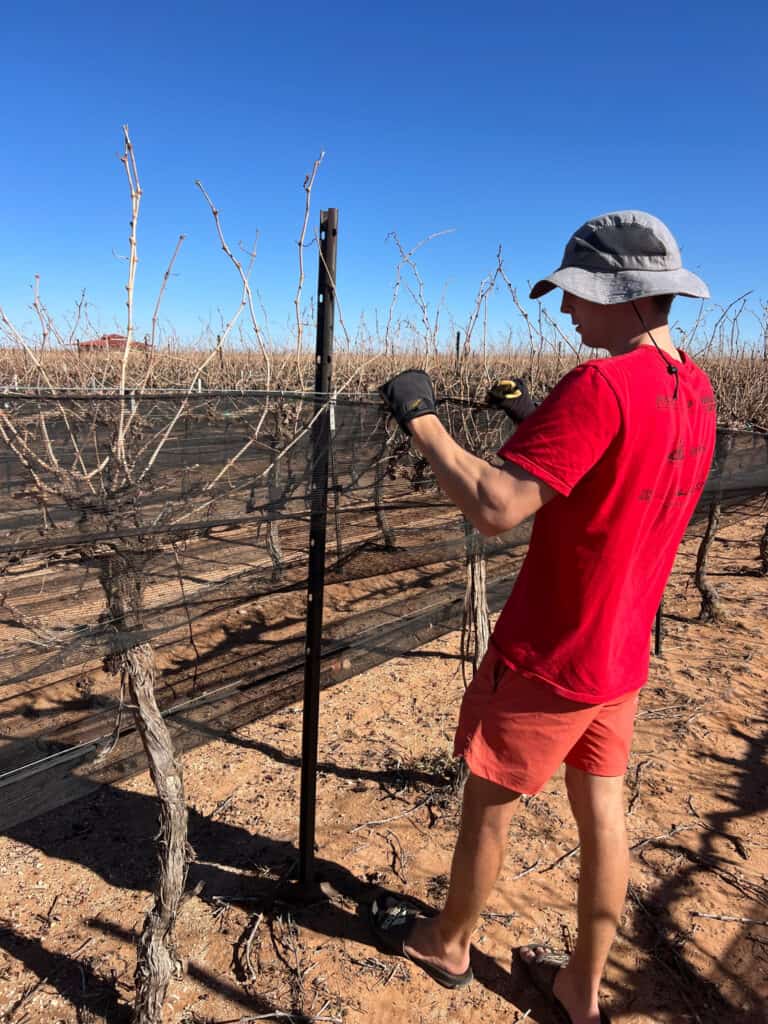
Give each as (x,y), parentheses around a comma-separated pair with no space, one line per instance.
(493,499)
(549,453)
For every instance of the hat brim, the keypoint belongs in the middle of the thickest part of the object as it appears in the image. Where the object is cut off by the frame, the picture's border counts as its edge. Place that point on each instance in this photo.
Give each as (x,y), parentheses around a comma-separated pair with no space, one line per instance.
(609,289)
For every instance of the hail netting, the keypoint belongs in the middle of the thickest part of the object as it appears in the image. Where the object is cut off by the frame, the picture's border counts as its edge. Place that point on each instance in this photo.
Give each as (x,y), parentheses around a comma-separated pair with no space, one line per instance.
(206,511)
(204,515)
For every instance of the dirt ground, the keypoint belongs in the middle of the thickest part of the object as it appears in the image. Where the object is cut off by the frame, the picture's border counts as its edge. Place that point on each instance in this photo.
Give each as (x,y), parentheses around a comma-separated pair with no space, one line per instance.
(693,943)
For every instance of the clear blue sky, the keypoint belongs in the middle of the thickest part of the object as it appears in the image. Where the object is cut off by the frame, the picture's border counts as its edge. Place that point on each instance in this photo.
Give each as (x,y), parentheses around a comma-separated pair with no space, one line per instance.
(509,123)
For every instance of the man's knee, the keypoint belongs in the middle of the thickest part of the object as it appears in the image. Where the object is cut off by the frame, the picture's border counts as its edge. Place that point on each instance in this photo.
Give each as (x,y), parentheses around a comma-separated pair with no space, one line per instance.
(488,805)
(596,801)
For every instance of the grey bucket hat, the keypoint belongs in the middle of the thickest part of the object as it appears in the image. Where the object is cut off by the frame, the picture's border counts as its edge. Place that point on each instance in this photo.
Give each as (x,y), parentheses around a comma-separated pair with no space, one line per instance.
(622,256)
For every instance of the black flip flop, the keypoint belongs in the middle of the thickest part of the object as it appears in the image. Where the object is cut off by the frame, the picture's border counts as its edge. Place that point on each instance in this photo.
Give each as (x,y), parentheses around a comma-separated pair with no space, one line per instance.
(542,973)
(392,922)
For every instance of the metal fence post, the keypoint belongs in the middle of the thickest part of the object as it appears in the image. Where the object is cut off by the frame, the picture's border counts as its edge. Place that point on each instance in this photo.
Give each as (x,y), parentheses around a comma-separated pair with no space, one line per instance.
(320,442)
(659,630)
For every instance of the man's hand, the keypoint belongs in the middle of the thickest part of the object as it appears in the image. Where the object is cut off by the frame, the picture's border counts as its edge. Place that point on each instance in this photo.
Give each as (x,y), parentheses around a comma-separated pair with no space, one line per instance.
(408,395)
(512,397)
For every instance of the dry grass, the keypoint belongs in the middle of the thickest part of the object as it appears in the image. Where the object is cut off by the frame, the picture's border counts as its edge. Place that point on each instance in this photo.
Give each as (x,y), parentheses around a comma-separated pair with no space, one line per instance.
(739,377)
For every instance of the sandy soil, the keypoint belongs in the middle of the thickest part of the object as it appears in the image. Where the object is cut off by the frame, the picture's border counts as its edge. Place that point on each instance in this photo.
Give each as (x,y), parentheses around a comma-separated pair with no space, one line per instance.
(693,944)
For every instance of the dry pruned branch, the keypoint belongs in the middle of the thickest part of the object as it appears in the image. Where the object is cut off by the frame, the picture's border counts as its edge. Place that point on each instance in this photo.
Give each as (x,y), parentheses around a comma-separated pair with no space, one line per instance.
(128,160)
(309,181)
(485,288)
(418,296)
(166,276)
(247,298)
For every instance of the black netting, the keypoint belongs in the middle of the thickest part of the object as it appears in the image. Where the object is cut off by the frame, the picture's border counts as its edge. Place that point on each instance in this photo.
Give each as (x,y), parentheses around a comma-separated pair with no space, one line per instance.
(201,504)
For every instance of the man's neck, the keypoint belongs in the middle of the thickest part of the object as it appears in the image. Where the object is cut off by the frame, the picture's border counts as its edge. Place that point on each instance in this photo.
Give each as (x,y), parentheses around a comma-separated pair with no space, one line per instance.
(659,335)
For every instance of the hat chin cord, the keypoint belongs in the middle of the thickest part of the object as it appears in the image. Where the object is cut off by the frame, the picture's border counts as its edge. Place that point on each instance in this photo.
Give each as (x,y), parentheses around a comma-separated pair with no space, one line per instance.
(671,368)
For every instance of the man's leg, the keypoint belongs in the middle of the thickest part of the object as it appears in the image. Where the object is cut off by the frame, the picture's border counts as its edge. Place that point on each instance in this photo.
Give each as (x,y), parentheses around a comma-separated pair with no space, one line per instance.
(486,813)
(598,806)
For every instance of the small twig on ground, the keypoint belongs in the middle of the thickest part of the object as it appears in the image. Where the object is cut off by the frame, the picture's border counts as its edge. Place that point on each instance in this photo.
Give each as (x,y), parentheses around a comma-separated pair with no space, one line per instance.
(386,971)
(249,943)
(289,950)
(490,915)
(560,860)
(399,856)
(219,907)
(394,817)
(635,784)
(664,835)
(526,870)
(728,917)
(80,948)
(294,1018)
(392,973)
(669,712)
(49,917)
(222,805)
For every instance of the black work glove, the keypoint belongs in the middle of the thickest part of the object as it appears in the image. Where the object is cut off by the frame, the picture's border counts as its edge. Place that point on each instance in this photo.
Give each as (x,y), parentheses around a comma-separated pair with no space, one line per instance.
(512,397)
(408,395)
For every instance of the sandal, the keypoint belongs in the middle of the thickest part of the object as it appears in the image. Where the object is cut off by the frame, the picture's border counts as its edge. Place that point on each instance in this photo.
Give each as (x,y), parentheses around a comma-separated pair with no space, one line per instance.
(392,922)
(542,972)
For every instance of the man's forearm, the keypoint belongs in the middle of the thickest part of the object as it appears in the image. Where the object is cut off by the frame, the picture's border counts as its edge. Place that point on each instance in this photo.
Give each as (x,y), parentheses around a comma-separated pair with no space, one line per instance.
(492,499)
(457,471)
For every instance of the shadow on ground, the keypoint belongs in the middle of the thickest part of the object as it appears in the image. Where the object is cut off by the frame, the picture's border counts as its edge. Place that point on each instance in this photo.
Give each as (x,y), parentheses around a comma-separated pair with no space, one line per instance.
(110,834)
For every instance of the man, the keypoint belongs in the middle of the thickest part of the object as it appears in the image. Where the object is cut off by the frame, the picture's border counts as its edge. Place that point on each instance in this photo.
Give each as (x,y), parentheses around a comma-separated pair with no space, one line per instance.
(612,463)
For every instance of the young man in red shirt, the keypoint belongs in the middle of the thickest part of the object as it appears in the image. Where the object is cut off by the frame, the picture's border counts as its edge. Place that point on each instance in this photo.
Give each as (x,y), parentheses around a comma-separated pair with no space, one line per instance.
(612,463)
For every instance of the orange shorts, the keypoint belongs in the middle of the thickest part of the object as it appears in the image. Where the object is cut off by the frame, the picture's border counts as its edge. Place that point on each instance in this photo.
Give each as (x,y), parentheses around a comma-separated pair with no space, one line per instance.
(516,731)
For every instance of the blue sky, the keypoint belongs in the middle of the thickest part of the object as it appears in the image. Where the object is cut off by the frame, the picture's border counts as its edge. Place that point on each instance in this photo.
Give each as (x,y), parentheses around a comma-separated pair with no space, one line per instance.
(509,123)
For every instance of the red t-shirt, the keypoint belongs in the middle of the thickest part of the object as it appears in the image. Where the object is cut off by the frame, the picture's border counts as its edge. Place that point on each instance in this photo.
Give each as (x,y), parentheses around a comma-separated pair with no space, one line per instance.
(628,462)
